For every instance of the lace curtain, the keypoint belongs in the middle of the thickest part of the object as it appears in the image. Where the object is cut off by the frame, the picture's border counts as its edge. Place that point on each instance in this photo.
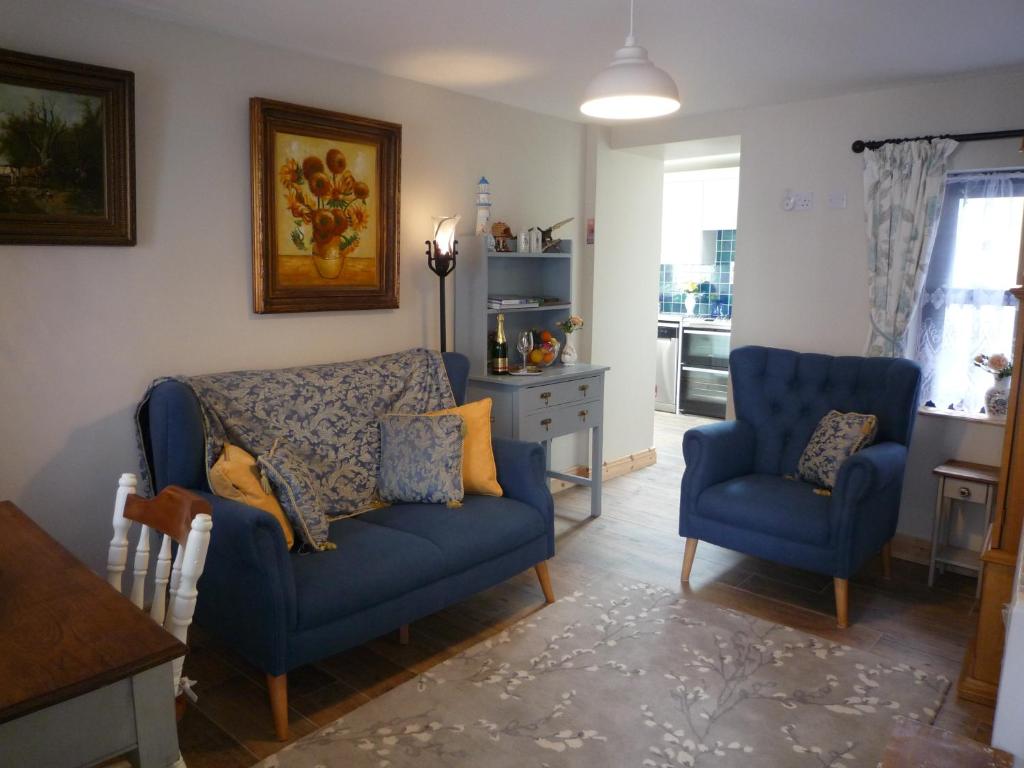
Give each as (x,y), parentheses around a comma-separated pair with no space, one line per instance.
(903,189)
(965,307)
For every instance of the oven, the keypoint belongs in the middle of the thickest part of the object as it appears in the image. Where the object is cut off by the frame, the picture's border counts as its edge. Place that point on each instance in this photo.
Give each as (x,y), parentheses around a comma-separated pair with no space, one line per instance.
(704,371)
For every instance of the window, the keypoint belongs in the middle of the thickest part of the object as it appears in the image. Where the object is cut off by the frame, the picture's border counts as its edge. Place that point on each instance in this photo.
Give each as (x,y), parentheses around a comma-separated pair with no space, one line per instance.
(966,308)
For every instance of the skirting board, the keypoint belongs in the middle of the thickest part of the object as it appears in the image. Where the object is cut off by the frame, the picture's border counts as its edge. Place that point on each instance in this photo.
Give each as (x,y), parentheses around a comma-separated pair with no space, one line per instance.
(614,468)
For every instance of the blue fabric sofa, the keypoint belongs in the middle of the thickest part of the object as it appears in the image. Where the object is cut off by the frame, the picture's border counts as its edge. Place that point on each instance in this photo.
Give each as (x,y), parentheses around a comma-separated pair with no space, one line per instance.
(280,610)
(735,492)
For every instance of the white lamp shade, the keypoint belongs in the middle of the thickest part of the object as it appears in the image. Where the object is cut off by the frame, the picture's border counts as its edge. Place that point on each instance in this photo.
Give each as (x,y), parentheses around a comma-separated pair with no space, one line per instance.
(444,233)
(630,88)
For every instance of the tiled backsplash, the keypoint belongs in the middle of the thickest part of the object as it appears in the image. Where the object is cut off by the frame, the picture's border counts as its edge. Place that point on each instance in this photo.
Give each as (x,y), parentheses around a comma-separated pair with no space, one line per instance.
(714,281)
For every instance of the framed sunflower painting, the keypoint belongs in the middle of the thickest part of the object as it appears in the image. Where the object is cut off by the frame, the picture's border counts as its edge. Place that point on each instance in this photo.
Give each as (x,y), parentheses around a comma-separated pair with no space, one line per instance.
(325,209)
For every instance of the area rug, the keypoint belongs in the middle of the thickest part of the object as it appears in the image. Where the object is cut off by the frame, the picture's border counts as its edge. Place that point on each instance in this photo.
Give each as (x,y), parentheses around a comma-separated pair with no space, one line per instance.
(634,675)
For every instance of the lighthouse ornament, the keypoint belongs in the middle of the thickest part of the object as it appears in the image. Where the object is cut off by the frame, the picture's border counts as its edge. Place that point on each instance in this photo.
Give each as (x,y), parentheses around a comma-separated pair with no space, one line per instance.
(483,205)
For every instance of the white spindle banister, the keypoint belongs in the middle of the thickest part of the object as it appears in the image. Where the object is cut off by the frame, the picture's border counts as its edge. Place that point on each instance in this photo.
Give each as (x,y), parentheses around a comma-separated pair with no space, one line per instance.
(117,554)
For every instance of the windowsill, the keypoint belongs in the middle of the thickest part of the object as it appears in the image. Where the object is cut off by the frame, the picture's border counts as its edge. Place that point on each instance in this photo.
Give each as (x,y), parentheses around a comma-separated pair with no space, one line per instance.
(943,413)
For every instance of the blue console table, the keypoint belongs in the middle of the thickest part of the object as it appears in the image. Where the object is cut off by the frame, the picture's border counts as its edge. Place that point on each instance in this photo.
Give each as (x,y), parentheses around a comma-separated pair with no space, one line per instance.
(562,400)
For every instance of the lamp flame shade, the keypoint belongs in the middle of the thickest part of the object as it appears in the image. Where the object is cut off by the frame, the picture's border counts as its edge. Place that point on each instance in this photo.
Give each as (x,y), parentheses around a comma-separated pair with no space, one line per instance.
(444,233)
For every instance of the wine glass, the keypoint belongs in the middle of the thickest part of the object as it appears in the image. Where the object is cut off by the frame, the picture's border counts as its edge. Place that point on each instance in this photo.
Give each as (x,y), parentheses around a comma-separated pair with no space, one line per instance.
(524,344)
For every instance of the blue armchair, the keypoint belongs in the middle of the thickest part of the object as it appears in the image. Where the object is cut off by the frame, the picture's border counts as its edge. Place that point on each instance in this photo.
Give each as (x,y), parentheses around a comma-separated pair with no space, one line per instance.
(735,492)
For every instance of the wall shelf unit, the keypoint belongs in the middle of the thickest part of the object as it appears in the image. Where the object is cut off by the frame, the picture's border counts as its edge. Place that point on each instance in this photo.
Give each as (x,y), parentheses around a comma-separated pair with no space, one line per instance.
(482,273)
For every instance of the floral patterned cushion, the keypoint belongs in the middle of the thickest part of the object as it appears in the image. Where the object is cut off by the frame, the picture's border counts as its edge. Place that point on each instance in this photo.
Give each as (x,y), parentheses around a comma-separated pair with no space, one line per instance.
(298,494)
(421,458)
(837,437)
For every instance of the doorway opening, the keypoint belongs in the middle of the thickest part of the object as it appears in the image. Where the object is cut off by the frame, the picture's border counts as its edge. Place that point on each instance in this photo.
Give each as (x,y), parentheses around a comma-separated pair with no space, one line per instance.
(696,276)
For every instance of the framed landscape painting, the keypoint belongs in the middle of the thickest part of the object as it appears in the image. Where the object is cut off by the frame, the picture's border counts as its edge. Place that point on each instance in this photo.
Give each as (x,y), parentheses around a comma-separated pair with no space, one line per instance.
(67,153)
(325,209)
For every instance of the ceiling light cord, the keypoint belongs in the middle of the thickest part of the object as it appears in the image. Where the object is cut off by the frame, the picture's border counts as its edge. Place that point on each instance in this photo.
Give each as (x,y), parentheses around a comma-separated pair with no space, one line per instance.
(630,38)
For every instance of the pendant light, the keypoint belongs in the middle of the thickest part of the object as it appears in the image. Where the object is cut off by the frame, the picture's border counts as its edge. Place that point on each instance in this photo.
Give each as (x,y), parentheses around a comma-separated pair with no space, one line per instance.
(631,87)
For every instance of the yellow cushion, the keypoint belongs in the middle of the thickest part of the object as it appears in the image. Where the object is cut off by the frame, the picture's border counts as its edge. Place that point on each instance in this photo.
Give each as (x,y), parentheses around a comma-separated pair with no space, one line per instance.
(479,474)
(235,476)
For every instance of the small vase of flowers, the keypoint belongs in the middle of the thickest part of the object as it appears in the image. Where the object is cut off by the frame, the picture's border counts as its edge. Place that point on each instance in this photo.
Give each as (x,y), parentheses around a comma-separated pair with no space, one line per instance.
(569,326)
(997,396)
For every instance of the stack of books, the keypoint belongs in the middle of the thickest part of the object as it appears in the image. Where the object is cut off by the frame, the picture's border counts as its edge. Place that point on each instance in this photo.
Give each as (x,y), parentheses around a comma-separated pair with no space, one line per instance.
(513,302)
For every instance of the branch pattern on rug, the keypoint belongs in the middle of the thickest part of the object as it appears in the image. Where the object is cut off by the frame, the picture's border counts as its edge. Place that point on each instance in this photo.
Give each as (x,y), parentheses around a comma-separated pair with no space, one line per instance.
(634,675)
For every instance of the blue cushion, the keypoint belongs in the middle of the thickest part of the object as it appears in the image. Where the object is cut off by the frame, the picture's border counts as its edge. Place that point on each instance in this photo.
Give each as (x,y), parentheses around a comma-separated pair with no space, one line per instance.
(483,528)
(784,394)
(787,509)
(371,564)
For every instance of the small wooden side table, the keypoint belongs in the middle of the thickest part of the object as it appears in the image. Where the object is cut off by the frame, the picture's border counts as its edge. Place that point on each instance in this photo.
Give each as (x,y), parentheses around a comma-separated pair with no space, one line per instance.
(962,482)
(84,674)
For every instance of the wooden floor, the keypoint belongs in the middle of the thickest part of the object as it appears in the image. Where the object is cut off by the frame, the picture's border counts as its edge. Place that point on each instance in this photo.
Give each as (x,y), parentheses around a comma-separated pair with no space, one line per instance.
(635,539)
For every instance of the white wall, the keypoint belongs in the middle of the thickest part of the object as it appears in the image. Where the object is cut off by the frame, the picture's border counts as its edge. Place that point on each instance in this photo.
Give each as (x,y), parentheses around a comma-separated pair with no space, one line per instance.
(83,330)
(627,248)
(801,277)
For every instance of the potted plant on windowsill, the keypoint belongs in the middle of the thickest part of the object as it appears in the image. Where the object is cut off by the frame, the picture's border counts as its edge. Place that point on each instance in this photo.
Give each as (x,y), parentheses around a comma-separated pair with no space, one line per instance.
(996,396)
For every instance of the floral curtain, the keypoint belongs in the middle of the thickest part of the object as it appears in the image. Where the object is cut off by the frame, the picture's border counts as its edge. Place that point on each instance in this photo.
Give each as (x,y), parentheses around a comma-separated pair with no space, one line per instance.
(904,185)
(965,307)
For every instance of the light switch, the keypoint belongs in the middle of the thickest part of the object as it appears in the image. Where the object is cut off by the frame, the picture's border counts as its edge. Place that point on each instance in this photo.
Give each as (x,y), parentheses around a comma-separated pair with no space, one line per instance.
(837,199)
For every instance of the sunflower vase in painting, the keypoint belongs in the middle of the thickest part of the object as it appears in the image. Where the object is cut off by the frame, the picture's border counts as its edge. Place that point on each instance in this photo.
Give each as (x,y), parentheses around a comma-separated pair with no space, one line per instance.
(329,207)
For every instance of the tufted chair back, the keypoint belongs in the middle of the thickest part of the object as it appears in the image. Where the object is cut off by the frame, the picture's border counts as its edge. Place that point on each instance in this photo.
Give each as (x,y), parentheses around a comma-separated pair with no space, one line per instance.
(783,394)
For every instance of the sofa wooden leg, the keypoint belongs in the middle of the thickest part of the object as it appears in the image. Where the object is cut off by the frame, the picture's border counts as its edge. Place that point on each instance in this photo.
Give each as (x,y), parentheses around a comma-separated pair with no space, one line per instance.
(545,581)
(403,634)
(277,686)
(887,560)
(691,550)
(842,602)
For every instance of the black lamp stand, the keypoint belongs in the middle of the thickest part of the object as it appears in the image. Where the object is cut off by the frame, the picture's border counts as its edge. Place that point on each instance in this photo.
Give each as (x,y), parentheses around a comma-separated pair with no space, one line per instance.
(442,265)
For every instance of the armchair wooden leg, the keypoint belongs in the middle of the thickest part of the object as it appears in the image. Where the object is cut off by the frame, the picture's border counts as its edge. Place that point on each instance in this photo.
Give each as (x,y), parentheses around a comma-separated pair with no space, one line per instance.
(842,602)
(277,686)
(887,560)
(691,550)
(403,634)
(545,581)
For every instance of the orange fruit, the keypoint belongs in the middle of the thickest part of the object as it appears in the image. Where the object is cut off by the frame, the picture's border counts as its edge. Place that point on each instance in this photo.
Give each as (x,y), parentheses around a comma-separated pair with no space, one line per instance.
(536,356)
(545,335)
(549,357)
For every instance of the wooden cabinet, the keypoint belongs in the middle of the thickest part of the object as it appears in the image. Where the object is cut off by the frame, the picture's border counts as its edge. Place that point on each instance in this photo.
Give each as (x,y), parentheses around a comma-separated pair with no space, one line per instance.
(979,677)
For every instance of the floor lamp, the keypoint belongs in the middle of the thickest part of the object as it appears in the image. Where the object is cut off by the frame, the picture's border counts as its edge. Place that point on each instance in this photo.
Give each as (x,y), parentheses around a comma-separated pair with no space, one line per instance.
(441,252)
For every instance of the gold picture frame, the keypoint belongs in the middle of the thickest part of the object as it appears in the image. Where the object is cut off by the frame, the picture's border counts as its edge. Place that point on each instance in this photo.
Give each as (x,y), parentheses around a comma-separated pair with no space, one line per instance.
(325,203)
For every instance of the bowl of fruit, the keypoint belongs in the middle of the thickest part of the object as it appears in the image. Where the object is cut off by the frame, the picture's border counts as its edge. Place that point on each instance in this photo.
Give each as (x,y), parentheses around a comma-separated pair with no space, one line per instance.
(545,349)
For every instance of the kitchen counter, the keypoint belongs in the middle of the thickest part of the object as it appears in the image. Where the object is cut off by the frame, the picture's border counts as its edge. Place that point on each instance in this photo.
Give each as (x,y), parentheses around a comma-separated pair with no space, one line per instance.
(689,321)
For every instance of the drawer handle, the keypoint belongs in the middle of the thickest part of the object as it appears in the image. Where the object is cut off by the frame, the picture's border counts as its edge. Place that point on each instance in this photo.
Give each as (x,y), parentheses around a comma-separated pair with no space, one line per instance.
(583,415)
(584,388)
(546,423)
(545,396)
(965,492)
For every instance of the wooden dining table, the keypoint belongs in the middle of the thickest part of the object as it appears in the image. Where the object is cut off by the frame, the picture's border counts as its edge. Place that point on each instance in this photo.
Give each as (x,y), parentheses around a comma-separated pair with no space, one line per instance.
(85,676)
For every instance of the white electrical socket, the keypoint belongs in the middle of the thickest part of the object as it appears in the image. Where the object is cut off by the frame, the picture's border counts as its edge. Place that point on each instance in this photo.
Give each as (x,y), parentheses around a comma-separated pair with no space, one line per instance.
(804,201)
(837,199)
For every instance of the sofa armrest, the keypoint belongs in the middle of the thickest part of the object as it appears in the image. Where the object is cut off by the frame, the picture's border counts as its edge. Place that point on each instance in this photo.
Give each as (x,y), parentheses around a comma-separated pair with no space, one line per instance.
(713,454)
(868,470)
(247,592)
(522,475)
(865,505)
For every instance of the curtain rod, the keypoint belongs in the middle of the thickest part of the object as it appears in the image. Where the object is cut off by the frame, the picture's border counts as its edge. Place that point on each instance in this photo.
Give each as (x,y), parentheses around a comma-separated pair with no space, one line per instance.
(860,145)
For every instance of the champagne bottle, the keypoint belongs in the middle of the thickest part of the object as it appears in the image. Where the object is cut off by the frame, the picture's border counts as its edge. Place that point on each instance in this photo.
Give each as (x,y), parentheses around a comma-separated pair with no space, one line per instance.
(499,350)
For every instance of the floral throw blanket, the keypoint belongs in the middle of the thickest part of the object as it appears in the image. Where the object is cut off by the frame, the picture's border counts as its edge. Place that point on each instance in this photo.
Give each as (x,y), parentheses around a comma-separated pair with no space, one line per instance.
(326,415)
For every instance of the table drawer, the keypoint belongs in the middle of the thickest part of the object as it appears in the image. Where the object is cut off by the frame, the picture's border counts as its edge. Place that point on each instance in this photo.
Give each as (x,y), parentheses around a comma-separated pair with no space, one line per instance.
(565,420)
(546,396)
(964,489)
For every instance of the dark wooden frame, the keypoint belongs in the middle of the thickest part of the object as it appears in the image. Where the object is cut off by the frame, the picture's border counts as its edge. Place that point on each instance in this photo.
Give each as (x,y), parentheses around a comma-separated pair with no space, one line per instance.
(116,88)
(268,117)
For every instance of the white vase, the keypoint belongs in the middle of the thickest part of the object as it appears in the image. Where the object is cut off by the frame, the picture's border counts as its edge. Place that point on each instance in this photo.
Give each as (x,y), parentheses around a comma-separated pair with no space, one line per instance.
(690,303)
(997,398)
(569,356)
